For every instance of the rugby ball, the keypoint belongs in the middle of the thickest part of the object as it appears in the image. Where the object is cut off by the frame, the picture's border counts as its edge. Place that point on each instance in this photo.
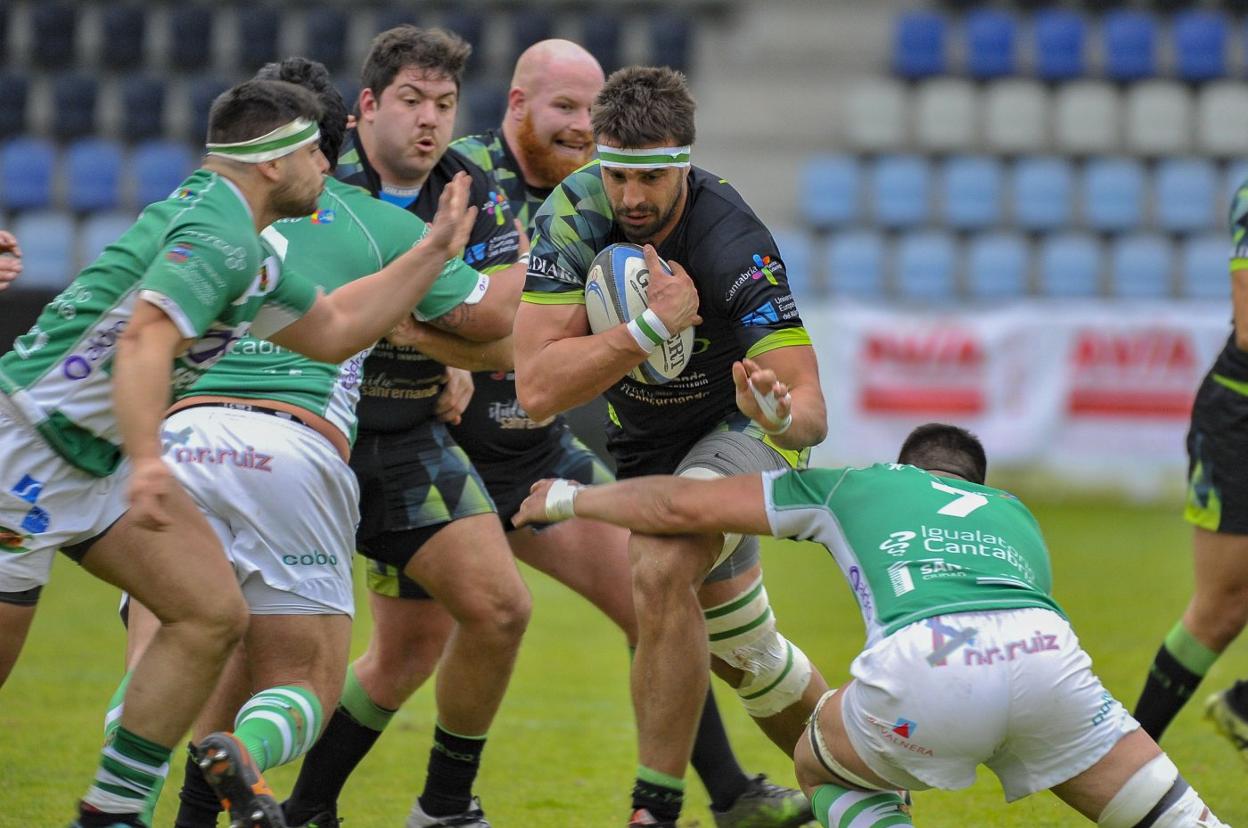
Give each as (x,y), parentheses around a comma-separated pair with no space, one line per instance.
(615,293)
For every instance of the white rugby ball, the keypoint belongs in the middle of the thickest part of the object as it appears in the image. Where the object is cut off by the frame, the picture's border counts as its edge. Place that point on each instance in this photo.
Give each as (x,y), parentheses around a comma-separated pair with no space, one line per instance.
(616,292)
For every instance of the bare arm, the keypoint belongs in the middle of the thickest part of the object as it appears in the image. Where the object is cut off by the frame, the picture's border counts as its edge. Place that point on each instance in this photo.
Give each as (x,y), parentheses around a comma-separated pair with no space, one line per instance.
(793,372)
(493,316)
(10,258)
(450,349)
(1239,302)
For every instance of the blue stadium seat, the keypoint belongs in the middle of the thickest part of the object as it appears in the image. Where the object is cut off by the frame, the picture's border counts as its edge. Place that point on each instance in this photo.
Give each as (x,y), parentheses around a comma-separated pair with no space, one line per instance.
(528,26)
(1043,193)
(257,35)
(1059,38)
(122,31)
(996,266)
(671,41)
(391,16)
(1186,195)
(47,239)
(93,175)
(158,167)
(26,166)
(1130,43)
(142,107)
(482,106)
(1140,265)
(470,26)
(73,106)
(190,36)
(1203,271)
(1113,194)
(1200,45)
(204,90)
(926,264)
(600,34)
(100,230)
(1069,265)
(53,28)
(14,91)
(855,264)
(919,48)
(831,190)
(797,253)
(971,192)
(325,30)
(900,190)
(1236,176)
(990,37)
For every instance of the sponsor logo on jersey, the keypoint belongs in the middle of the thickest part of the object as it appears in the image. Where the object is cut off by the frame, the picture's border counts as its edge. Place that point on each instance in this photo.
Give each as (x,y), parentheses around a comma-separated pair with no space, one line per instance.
(761,267)
(28,489)
(316,558)
(900,734)
(213,344)
(761,316)
(509,415)
(494,207)
(904,727)
(98,346)
(323,217)
(1010,650)
(474,253)
(900,579)
(178,254)
(183,194)
(1149,373)
(1108,703)
(862,591)
(12,541)
(242,458)
(934,371)
(36,521)
(897,543)
(946,641)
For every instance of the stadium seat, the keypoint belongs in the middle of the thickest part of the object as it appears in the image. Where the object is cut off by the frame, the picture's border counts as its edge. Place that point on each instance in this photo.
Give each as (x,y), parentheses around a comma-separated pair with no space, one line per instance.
(92,175)
(1016,117)
(257,35)
(325,36)
(831,191)
(53,29)
(47,239)
(122,33)
(946,115)
(157,168)
(855,264)
(1200,45)
(671,41)
(100,230)
(26,166)
(1186,195)
(204,90)
(391,16)
(900,191)
(600,34)
(996,266)
(1236,177)
(469,25)
(876,110)
(142,108)
(990,36)
(1059,38)
(1042,193)
(1069,265)
(73,106)
(1113,194)
(349,88)
(970,192)
(926,266)
(1130,44)
(531,24)
(1222,119)
(1158,118)
(14,92)
(190,36)
(1203,267)
(1140,265)
(797,253)
(482,106)
(1088,117)
(919,48)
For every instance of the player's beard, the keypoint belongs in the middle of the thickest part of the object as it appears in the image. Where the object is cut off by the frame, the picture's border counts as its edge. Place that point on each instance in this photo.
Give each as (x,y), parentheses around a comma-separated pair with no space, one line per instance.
(289,201)
(547,167)
(645,233)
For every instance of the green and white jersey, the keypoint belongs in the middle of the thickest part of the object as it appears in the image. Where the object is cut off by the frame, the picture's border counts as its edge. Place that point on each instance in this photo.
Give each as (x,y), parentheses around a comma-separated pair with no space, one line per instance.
(196,256)
(350,236)
(913,545)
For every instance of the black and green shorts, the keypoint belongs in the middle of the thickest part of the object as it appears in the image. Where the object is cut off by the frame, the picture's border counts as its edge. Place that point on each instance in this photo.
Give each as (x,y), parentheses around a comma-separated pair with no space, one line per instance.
(1217,452)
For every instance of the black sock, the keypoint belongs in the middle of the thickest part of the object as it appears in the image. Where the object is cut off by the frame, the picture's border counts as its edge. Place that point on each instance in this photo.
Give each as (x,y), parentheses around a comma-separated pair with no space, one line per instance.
(1237,698)
(714,761)
(96,819)
(328,764)
(453,764)
(661,801)
(1167,689)
(199,804)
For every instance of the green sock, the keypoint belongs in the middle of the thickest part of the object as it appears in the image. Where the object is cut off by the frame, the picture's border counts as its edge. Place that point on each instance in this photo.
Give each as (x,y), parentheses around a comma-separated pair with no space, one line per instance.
(112,721)
(131,769)
(837,807)
(279,724)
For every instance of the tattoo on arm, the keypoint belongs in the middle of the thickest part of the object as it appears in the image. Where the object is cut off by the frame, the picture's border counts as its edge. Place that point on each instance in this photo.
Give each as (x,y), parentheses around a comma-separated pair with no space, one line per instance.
(454,319)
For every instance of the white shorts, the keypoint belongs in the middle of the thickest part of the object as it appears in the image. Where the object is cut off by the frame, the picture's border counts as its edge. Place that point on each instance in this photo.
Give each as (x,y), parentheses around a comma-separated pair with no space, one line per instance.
(924,711)
(281,500)
(45,503)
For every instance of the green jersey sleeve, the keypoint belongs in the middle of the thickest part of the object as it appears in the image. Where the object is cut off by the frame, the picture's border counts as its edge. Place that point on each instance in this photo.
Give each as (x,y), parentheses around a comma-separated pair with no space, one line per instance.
(287,297)
(197,275)
(799,502)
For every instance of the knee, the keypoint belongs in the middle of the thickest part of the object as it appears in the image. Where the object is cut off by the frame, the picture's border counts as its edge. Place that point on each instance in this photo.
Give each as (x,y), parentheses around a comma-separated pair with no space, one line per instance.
(501,613)
(662,574)
(223,619)
(1218,616)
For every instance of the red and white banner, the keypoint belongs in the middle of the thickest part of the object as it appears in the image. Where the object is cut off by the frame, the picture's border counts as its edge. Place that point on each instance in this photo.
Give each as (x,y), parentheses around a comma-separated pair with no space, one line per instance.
(1092,393)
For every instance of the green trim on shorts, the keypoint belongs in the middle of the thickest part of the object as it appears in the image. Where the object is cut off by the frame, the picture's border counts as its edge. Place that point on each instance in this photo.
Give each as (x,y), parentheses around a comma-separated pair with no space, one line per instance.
(1202,511)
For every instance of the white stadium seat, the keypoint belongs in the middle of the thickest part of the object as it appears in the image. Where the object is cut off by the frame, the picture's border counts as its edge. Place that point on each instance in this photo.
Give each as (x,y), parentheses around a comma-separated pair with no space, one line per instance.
(1158,118)
(1016,117)
(876,112)
(1087,118)
(1222,119)
(945,112)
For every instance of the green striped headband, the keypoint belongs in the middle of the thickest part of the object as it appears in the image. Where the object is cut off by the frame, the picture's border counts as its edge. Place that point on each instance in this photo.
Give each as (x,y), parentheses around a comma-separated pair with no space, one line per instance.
(649,158)
(280,142)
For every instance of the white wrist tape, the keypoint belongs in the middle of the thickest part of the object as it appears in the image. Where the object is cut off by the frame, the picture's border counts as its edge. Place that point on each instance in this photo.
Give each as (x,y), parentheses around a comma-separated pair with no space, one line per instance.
(560,499)
(524,258)
(649,331)
(768,402)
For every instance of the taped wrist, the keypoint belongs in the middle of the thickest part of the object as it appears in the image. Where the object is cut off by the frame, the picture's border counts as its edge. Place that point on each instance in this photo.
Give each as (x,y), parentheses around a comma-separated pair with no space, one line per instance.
(649,331)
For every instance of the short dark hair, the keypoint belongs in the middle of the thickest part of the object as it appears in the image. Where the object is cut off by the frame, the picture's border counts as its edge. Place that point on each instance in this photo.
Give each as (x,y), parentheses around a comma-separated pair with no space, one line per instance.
(256,107)
(642,105)
(434,50)
(948,448)
(314,77)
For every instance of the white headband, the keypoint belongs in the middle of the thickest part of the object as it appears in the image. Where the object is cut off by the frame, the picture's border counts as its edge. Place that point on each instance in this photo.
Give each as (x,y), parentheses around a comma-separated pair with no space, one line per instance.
(280,142)
(650,158)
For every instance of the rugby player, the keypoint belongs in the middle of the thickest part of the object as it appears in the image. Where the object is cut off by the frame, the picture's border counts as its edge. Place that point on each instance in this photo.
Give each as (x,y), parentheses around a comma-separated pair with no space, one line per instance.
(1217,508)
(96,372)
(424,511)
(954,583)
(642,189)
(10,259)
(545,137)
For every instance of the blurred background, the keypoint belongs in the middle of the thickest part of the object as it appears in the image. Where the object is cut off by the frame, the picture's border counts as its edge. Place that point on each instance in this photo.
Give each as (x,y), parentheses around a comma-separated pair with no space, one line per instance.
(1009,214)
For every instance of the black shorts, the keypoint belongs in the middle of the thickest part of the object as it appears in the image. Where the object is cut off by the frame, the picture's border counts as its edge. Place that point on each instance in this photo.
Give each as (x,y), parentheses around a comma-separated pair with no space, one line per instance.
(1217,452)
(508,482)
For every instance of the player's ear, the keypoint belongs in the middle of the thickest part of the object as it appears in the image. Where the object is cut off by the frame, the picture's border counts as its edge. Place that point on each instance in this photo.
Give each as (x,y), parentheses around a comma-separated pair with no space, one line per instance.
(368,102)
(516,102)
(271,171)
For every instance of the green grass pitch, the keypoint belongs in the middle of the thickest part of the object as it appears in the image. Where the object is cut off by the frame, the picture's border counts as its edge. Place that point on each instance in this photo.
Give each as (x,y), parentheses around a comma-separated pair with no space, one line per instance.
(561,753)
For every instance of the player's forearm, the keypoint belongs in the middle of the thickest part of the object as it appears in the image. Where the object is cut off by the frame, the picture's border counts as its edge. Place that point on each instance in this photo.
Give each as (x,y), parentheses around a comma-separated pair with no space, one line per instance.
(810,420)
(665,505)
(1239,303)
(565,373)
(458,352)
(141,392)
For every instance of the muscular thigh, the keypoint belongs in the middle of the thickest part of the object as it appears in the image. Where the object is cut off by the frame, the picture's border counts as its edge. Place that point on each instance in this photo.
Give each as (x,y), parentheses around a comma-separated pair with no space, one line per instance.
(284,649)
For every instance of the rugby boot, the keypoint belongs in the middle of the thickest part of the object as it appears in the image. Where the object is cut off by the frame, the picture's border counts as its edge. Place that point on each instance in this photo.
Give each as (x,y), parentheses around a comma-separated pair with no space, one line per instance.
(238,783)
(118,820)
(766,805)
(644,819)
(325,819)
(1229,721)
(474,817)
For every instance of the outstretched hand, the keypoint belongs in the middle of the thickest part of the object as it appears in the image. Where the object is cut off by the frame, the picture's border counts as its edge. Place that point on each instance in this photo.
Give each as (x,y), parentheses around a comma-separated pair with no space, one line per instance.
(10,258)
(760,396)
(452,224)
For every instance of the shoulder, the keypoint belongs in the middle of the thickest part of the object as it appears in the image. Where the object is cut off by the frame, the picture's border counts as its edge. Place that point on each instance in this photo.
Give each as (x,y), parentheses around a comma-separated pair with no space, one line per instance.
(717,204)
(478,149)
